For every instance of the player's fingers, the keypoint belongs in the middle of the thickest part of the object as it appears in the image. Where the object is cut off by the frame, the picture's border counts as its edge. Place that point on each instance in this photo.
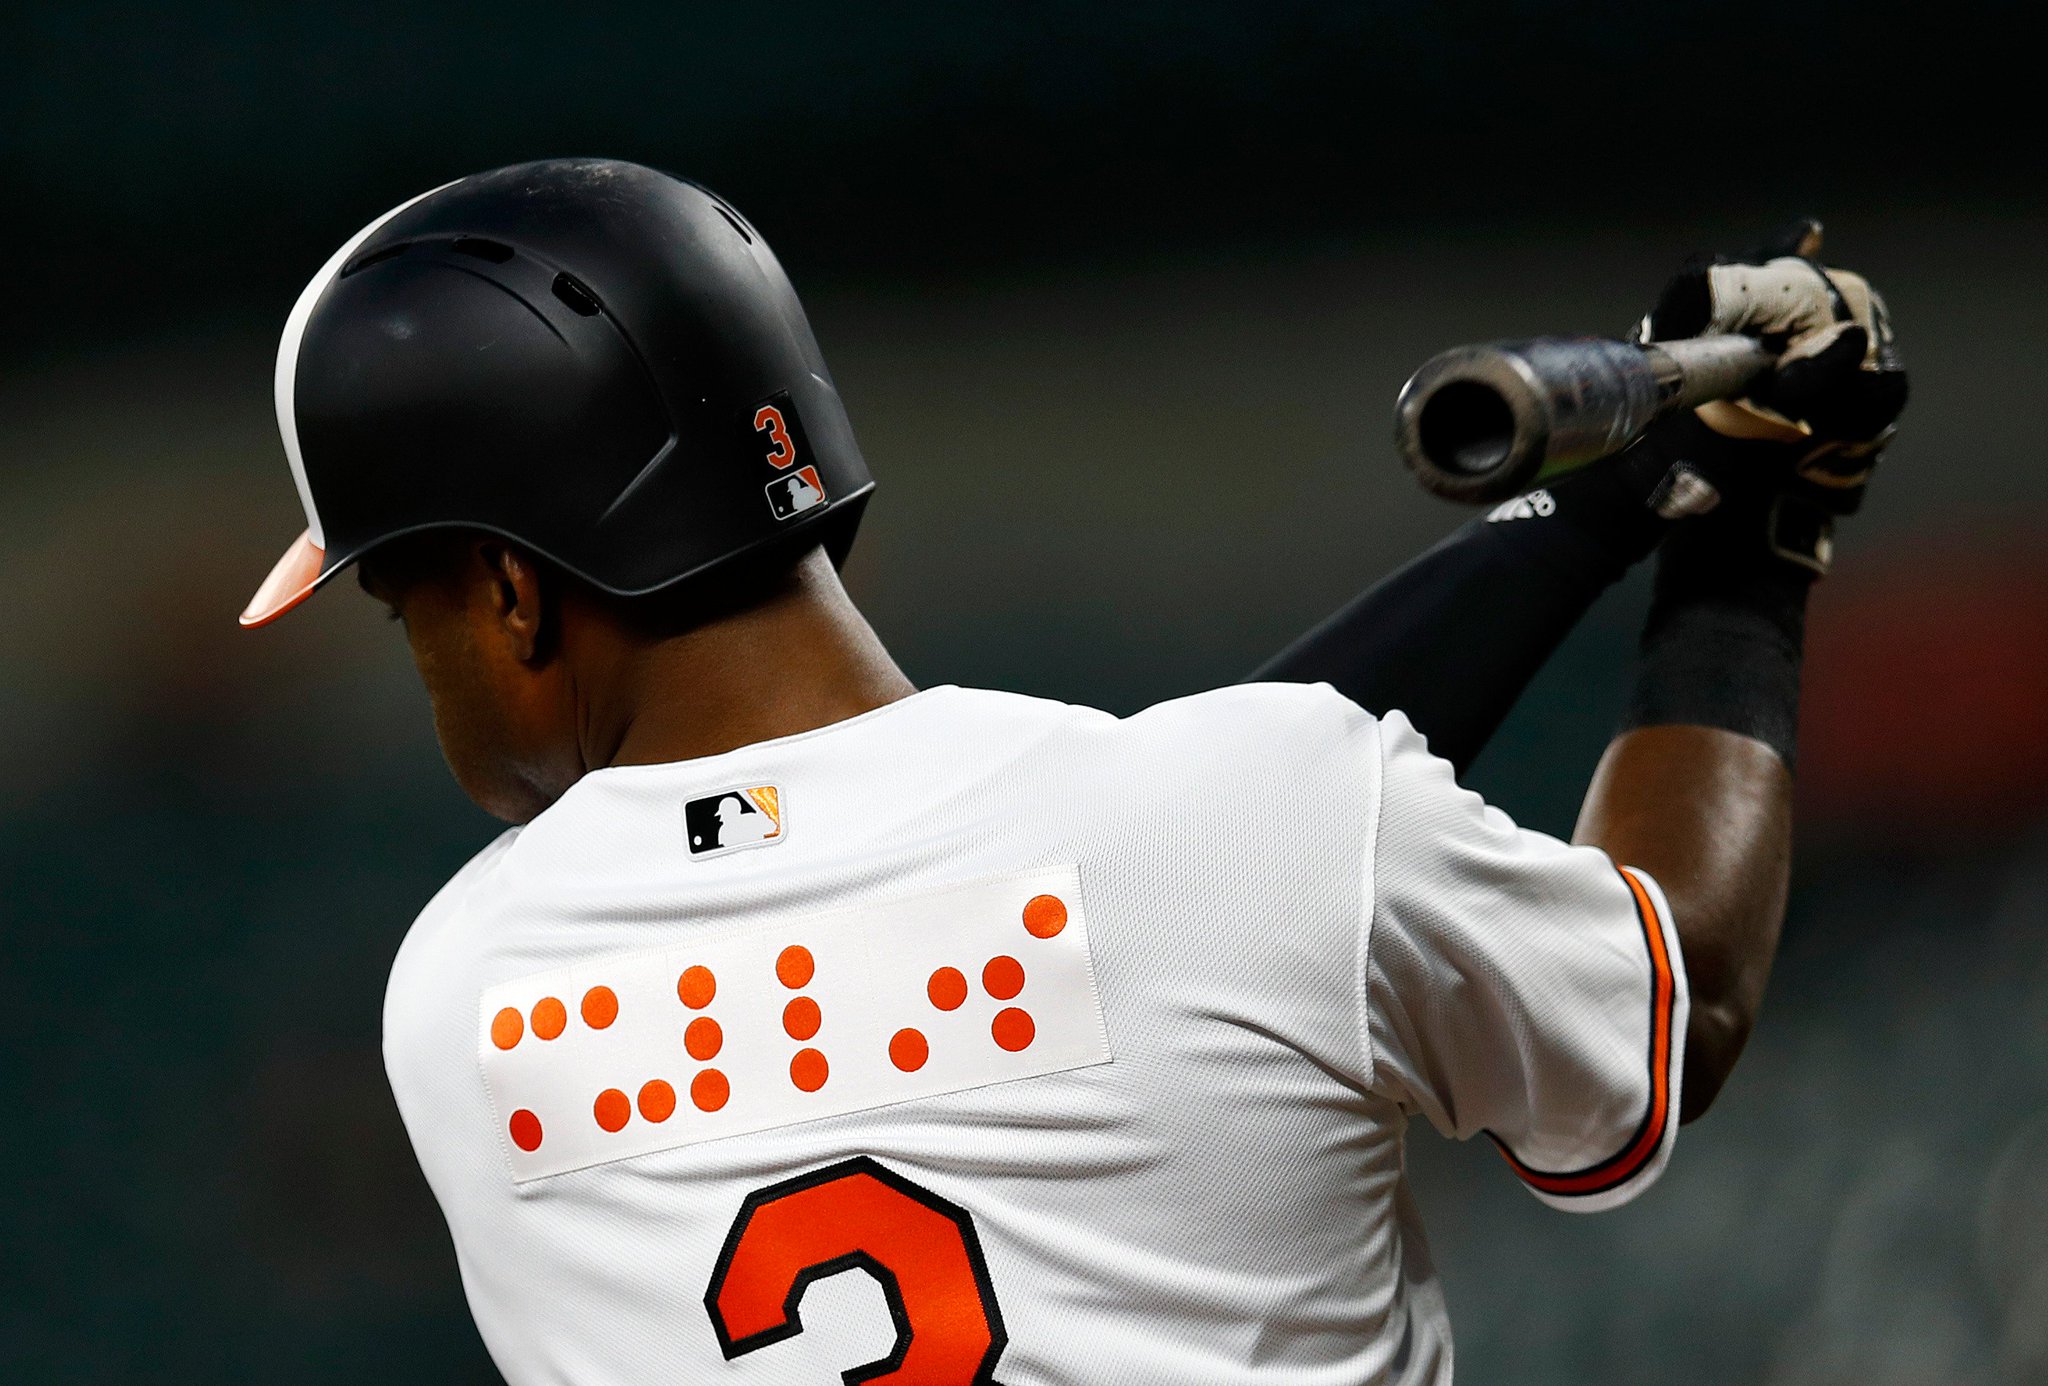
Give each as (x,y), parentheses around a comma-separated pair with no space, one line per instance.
(1862,407)
(1813,365)
(1834,393)
(1684,306)
(1884,347)
(1836,482)
(1821,353)
(1866,306)
(1784,298)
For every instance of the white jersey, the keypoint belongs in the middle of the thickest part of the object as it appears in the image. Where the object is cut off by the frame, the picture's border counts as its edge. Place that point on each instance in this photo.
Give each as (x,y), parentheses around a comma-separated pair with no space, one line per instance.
(987,1039)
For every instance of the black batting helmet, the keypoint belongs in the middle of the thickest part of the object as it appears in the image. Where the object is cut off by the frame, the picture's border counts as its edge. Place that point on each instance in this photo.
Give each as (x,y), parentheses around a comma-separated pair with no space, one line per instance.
(597,360)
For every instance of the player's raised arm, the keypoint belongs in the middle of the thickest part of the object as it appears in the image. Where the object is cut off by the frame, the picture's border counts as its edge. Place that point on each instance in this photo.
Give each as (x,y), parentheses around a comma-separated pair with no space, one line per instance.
(1454,636)
(1697,789)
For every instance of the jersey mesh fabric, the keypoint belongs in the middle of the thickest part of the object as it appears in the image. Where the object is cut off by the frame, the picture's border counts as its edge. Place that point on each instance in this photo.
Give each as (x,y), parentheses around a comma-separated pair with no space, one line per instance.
(1502,997)
(1222,1202)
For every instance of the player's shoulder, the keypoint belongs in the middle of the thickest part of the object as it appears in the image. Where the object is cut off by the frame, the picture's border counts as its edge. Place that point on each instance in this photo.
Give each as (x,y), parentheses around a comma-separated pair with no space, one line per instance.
(477,872)
(1269,720)
(1274,738)
(1257,705)
(1254,718)
(423,952)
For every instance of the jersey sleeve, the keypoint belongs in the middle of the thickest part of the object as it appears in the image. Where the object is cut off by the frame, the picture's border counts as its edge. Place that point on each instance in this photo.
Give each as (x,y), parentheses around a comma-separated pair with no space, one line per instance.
(1519,987)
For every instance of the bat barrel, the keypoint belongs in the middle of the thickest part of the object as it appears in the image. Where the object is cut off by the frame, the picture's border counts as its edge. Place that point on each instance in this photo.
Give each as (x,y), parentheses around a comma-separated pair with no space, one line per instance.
(1483,423)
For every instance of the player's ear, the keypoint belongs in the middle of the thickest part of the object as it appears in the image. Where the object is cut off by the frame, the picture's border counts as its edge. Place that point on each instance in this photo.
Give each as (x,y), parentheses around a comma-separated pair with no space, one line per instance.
(518,599)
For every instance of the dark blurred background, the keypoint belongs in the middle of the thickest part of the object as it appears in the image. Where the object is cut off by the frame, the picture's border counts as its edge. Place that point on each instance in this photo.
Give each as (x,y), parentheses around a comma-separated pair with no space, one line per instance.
(1119,296)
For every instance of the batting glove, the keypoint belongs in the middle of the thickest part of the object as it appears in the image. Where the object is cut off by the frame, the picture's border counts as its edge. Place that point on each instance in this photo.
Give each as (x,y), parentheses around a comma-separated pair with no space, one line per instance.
(1799,450)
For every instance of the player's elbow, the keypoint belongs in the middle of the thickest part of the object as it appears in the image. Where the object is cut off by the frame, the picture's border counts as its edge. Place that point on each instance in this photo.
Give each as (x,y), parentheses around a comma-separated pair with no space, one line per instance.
(1714,1037)
(1727,969)
(1726,999)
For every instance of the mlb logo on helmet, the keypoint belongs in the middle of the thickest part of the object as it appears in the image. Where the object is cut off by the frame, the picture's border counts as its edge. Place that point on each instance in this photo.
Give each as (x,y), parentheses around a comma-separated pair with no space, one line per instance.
(796,493)
(732,819)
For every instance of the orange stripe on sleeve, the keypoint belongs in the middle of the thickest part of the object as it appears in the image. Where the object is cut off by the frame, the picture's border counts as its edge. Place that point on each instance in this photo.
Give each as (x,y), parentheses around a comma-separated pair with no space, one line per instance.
(1625,1164)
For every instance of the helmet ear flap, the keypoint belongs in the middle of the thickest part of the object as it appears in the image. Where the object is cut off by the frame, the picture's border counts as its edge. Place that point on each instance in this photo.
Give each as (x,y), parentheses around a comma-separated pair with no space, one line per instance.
(744,579)
(840,527)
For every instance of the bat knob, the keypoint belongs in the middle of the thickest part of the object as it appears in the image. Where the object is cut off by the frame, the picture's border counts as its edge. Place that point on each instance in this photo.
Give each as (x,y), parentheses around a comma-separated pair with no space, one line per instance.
(1482,423)
(1466,427)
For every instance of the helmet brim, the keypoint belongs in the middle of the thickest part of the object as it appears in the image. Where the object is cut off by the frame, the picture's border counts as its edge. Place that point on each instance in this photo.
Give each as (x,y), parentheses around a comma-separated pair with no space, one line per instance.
(292,579)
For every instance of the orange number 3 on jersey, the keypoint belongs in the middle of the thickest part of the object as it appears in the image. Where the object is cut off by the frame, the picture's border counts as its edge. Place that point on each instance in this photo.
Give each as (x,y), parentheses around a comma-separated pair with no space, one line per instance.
(921,1249)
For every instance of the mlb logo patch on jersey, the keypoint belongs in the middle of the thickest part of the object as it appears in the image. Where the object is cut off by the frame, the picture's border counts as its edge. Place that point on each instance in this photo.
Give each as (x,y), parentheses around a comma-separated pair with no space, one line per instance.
(791,495)
(732,819)
(792,1020)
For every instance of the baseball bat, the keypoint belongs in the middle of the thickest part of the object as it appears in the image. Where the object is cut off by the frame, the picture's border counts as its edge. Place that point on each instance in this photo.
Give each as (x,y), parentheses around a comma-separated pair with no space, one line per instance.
(1484,423)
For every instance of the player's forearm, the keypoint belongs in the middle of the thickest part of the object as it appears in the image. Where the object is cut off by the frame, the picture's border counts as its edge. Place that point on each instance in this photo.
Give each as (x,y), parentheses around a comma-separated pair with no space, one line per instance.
(1708,813)
(1453,637)
(1699,792)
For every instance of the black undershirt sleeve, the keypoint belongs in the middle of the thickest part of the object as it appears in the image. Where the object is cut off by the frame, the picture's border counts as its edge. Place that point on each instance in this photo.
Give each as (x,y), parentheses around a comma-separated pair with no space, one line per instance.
(1453,637)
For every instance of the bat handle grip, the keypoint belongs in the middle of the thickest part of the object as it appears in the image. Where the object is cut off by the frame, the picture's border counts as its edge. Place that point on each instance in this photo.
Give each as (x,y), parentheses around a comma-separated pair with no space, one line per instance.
(1692,371)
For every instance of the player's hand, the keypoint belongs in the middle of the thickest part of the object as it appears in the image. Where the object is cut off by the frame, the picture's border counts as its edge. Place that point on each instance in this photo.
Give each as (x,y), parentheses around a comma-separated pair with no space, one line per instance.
(1801,447)
(1838,385)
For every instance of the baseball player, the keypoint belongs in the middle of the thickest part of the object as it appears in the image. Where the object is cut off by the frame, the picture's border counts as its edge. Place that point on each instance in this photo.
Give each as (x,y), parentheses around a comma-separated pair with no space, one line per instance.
(811,1027)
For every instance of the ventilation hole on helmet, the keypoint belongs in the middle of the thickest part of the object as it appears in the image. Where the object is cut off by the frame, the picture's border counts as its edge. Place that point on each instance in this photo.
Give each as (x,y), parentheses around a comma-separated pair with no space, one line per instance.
(497,252)
(579,299)
(737,224)
(374,257)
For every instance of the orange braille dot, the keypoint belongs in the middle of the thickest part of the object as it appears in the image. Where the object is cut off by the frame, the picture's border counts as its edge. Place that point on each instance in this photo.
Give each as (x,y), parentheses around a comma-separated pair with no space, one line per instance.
(808,1070)
(657,1100)
(795,967)
(1003,978)
(525,1129)
(611,1109)
(1044,915)
(801,1018)
(696,987)
(703,1039)
(947,988)
(506,1028)
(550,1017)
(1013,1029)
(600,1007)
(709,1090)
(908,1050)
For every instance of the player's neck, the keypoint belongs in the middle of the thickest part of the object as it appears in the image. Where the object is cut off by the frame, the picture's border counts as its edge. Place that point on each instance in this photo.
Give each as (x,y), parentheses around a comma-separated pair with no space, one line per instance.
(804,659)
